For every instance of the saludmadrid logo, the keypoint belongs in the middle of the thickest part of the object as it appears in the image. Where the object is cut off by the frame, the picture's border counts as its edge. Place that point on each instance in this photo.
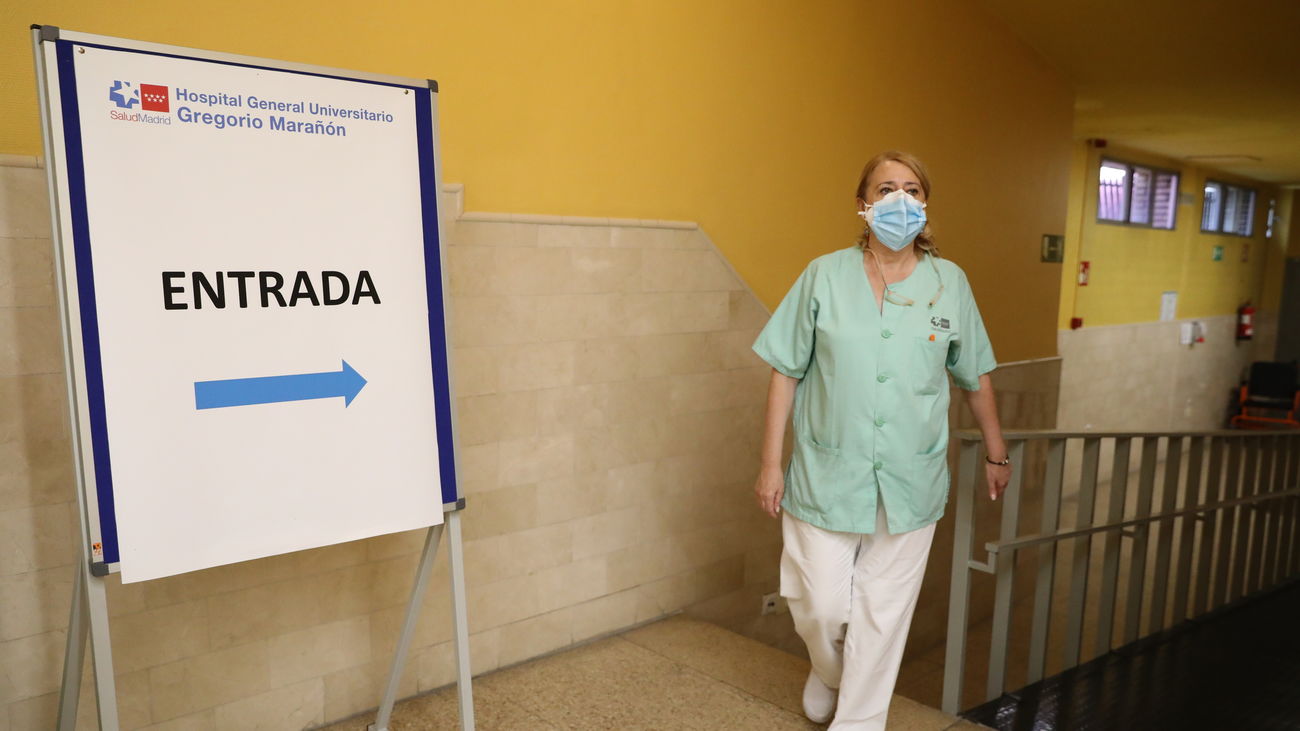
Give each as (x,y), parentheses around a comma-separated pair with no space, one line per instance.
(127,97)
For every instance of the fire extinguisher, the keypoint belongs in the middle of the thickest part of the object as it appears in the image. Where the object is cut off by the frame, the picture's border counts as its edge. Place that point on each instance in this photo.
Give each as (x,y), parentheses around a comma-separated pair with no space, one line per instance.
(1245,322)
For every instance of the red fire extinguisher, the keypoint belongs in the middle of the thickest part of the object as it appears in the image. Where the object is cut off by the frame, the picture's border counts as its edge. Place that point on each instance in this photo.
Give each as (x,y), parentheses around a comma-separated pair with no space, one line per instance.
(1245,322)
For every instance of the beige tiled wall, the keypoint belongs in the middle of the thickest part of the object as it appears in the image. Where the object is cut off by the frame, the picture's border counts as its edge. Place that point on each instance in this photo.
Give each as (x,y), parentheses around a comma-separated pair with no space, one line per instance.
(1138,378)
(609,412)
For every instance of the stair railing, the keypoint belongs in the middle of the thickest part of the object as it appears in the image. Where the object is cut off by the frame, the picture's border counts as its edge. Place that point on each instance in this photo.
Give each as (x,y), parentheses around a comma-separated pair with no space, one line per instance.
(1219,525)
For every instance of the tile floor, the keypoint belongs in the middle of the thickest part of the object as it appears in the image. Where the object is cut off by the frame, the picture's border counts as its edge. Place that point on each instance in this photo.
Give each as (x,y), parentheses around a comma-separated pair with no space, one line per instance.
(678,673)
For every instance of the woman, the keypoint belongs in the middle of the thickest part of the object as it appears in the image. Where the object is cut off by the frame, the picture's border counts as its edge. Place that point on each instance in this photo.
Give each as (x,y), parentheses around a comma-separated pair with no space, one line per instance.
(859,348)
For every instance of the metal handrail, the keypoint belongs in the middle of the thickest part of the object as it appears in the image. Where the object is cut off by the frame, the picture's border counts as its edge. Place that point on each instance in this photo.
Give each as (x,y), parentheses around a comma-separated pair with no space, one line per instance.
(1225,527)
(974,435)
(1036,539)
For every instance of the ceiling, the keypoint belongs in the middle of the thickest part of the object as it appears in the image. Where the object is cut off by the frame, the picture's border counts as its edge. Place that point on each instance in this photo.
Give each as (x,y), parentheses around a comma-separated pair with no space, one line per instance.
(1214,83)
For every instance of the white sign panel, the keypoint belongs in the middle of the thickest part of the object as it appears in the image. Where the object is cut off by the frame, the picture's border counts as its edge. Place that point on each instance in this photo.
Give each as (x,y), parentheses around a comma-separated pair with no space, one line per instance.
(1168,306)
(259,251)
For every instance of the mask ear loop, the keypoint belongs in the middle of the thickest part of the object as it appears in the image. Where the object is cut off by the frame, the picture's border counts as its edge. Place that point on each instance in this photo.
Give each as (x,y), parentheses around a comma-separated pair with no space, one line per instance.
(937,276)
(897,299)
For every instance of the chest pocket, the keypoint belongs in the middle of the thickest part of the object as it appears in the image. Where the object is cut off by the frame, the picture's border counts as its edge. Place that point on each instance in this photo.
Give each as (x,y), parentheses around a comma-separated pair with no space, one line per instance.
(931,361)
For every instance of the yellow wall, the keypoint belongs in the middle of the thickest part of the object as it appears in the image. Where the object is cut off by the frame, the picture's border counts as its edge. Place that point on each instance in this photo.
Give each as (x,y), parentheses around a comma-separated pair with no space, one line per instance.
(1285,244)
(753,119)
(1074,221)
(1131,265)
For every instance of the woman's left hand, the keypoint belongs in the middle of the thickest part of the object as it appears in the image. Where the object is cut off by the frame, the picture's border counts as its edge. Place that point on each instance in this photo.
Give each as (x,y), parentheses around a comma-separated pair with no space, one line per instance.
(997,476)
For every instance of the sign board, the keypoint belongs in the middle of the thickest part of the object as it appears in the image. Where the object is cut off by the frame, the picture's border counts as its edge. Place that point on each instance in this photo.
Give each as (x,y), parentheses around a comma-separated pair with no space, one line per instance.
(254,299)
(1168,306)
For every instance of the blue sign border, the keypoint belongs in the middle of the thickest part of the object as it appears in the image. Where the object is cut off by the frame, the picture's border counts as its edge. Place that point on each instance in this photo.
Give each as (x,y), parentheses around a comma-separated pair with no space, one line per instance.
(85,275)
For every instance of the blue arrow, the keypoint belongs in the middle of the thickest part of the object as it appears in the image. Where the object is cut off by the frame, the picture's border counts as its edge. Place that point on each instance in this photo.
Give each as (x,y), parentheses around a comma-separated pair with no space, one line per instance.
(274,389)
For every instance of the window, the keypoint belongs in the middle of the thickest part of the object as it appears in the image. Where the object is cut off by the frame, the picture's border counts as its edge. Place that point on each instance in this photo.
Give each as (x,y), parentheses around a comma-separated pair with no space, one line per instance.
(1272,218)
(1228,209)
(1137,195)
(1213,208)
(1141,209)
(1238,211)
(1111,203)
(1165,205)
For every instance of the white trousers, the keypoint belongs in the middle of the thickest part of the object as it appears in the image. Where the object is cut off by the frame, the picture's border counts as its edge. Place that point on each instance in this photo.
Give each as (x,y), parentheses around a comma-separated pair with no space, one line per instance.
(852,596)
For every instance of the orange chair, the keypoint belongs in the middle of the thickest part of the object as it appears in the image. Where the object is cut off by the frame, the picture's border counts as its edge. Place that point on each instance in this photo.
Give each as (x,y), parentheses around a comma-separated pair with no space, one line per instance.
(1269,399)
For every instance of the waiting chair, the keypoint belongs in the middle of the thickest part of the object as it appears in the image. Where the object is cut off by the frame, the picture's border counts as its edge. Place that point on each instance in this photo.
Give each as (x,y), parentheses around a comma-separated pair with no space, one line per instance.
(1269,399)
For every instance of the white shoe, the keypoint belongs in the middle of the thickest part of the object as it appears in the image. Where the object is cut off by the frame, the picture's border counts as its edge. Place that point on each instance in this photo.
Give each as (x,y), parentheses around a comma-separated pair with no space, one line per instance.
(818,700)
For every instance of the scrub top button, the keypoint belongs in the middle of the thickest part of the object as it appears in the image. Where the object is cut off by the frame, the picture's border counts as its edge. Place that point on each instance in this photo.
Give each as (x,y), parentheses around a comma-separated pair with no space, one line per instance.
(878,465)
(882,378)
(880,421)
(885,333)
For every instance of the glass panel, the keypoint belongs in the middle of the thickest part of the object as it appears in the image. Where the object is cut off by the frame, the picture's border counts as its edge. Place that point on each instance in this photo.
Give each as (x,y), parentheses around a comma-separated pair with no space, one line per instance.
(1140,199)
(1272,215)
(1238,211)
(1212,208)
(1231,204)
(1111,197)
(1165,206)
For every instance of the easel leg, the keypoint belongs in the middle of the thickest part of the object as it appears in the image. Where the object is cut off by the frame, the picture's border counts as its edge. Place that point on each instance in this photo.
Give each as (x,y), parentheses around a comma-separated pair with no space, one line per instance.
(89,603)
(408,628)
(74,657)
(89,615)
(101,650)
(460,622)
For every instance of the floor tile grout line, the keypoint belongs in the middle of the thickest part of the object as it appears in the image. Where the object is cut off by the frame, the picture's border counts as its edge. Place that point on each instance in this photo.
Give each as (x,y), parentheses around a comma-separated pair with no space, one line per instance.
(745,693)
(680,667)
(712,677)
(958,720)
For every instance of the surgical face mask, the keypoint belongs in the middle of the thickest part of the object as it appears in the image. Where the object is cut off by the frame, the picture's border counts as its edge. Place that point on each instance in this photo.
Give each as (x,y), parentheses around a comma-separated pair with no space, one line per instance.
(895,219)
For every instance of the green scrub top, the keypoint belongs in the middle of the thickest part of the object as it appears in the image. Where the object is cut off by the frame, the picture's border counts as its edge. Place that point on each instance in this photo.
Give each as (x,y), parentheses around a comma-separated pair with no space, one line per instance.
(871,406)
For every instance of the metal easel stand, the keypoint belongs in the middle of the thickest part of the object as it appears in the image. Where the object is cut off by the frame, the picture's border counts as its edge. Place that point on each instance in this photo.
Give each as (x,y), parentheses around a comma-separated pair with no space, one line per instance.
(460,620)
(89,617)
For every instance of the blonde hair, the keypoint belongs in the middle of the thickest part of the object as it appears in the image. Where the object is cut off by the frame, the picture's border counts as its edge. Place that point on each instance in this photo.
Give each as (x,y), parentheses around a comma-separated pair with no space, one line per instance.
(925,240)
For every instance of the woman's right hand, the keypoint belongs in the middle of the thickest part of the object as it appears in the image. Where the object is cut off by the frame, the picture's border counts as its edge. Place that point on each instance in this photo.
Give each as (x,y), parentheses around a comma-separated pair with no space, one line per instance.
(769,488)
